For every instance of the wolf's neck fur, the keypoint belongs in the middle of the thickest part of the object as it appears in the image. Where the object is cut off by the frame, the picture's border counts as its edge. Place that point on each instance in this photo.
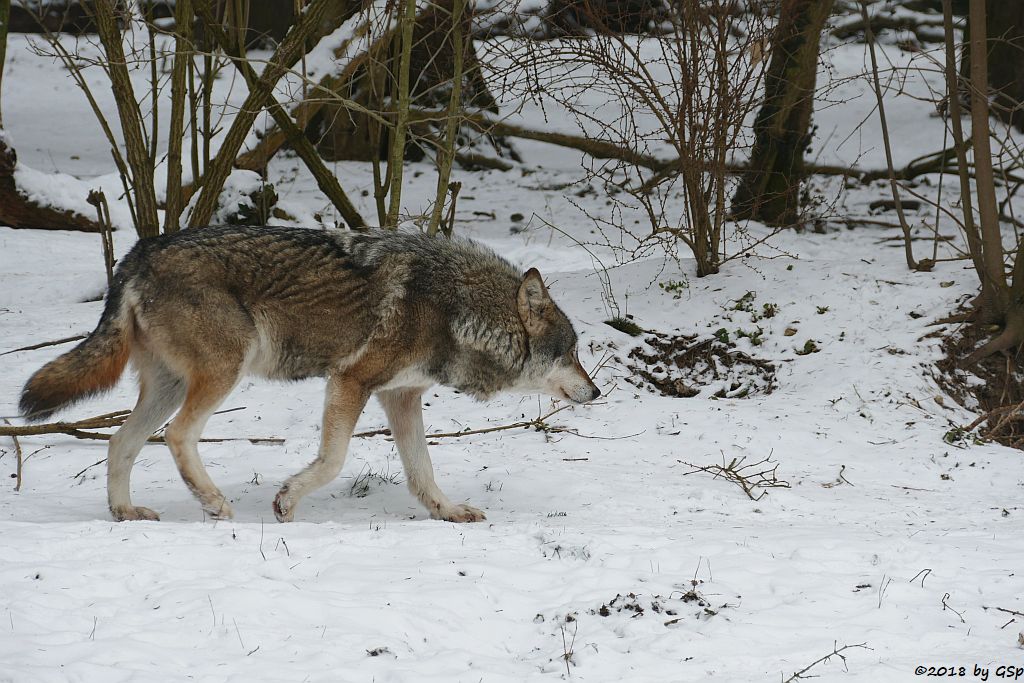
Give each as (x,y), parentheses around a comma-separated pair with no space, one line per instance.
(473,289)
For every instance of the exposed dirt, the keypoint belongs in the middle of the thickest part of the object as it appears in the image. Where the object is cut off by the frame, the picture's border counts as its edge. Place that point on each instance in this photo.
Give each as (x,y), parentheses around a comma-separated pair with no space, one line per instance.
(687,365)
(668,608)
(993,387)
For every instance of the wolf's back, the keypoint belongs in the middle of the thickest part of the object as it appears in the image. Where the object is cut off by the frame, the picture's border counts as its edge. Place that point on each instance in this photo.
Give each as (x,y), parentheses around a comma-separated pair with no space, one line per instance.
(88,369)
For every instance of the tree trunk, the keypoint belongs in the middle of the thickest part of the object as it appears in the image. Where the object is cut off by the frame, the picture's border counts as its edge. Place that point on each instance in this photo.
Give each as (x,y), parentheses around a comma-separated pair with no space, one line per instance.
(5,25)
(1005,25)
(290,51)
(19,211)
(16,210)
(139,161)
(269,21)
(343,134)
(999,303)
(770,190)
(995,299)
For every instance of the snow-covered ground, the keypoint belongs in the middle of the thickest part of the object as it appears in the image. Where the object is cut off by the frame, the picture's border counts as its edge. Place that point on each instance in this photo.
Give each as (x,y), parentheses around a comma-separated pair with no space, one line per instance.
(604,557)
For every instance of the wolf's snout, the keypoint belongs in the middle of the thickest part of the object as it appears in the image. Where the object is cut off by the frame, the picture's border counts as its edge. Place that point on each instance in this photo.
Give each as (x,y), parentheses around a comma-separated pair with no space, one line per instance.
(581,392)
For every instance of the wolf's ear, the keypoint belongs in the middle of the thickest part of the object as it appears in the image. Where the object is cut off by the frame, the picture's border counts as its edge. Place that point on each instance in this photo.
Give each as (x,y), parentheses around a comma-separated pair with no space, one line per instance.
(533,301)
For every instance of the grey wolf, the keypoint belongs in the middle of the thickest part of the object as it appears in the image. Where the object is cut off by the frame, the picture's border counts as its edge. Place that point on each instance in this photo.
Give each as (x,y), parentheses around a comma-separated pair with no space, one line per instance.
(376,312)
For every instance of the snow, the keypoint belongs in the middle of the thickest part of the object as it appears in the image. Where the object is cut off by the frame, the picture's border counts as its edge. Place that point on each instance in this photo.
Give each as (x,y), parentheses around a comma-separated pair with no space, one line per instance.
(887,536)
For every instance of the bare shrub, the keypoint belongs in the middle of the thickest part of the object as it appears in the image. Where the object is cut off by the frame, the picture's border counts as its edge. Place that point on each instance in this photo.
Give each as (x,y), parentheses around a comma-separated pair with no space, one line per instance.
(682,94)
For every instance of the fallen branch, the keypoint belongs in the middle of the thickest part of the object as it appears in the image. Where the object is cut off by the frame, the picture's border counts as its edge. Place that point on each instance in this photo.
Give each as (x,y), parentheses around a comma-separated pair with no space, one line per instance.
(1001,422)
(538,423)
(836,652)
(79,429)
(747,477)
(1008,611)
(156,438)
(115,419)
(933,162)
(926,29)
(20,210)
(43,345)
(599,149)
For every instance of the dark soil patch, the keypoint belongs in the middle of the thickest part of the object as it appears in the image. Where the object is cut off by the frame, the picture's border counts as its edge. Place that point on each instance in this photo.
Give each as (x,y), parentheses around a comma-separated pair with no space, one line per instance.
(994,387)
(669,609)
(687,365)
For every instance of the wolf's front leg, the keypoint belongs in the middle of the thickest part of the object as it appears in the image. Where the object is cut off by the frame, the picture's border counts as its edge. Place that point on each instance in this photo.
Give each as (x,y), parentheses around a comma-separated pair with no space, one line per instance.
(405,415)
(345,400)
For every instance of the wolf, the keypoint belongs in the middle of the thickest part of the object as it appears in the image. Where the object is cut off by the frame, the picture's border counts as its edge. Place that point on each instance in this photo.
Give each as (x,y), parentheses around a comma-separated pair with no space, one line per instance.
(375,312)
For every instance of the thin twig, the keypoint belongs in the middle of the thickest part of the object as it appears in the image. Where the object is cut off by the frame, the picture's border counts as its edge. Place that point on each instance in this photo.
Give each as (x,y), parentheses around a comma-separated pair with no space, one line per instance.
(99,200)
(946,605)
(836,652)
(1008,611)
(18,459)
(747,477)
(43,345)
(923,574)
(869,37)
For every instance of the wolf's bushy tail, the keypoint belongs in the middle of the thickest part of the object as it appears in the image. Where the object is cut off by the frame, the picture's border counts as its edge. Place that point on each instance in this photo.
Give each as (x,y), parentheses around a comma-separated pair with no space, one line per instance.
(88,369)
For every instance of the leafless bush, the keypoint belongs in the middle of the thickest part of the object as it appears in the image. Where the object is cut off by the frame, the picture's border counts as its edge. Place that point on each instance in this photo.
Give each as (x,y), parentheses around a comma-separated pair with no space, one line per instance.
(129,41)
(683,96)
(754,478)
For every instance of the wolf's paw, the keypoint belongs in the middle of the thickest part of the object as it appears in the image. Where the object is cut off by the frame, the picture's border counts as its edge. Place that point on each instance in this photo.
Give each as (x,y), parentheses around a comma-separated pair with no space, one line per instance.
(284,510)
(125,513)
(462,513)
(218,509)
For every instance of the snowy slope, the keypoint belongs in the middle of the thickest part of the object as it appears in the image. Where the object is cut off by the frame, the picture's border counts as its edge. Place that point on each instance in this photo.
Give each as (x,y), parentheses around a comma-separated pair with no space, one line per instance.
(888,536)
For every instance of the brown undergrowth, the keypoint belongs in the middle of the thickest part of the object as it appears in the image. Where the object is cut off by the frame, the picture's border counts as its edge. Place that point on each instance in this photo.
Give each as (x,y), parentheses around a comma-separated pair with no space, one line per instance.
(992,386)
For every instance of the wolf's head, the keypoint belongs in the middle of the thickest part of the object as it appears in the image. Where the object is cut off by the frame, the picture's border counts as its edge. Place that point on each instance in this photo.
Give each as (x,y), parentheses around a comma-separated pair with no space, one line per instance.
(552,366)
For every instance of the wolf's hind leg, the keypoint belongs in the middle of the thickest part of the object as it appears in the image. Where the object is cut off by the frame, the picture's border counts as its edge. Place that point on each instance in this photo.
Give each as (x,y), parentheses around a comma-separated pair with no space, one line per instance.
(205,392)
(343,403)
(160,394)
(405,415)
